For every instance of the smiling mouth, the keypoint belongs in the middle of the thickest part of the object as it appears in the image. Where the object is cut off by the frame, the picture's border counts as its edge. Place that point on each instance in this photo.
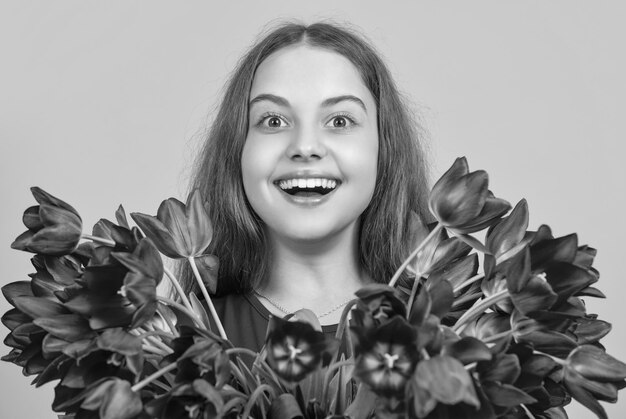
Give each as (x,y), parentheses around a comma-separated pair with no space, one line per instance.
(311,187)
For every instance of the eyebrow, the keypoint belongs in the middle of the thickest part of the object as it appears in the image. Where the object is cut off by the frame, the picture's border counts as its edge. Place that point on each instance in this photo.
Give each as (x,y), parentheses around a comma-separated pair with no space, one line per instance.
(281,101)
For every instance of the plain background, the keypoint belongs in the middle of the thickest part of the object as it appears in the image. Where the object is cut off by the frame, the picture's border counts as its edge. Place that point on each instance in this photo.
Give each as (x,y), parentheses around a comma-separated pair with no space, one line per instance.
(103,103)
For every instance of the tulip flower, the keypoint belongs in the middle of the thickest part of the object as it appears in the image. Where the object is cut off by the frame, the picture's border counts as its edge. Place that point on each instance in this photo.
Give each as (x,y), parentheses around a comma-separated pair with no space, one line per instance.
(462,202)
(386,356)
(377,303)
(178,230)
(295,349)
(113,399)
(198,399)
(54,227)
(591,375)
(442,379)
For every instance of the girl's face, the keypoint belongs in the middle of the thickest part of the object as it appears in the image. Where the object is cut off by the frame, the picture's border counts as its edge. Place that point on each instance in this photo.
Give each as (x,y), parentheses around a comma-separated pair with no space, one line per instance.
(310,157)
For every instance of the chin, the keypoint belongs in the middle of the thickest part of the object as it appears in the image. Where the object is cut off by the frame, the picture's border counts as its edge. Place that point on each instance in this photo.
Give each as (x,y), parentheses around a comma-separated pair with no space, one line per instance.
(309,232)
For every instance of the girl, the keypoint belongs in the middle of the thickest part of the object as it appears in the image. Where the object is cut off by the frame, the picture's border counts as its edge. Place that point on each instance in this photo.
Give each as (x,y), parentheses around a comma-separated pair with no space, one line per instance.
(311,170)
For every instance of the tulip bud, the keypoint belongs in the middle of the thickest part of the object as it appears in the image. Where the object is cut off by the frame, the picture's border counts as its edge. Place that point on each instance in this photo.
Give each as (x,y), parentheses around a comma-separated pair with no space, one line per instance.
(54,227)
(461,201)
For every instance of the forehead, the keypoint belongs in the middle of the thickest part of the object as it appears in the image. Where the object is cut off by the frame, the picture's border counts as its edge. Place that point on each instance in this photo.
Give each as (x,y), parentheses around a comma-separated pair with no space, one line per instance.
(306,72)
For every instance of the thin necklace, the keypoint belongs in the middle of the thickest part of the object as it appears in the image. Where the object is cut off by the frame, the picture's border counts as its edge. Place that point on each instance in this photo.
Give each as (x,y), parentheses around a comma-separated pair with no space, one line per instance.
(284,310)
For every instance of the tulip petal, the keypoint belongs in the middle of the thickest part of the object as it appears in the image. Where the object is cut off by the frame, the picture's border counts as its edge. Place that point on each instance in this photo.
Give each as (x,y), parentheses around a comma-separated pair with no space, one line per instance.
(70,327)
(198,223)
(172,214)
(468,350)
(43,197)
(506,395)
(158,233)
(586,399)
(510,231)
(595,364)
(120,341)
(31,218)
(36,307)
(549,251)
(16,289)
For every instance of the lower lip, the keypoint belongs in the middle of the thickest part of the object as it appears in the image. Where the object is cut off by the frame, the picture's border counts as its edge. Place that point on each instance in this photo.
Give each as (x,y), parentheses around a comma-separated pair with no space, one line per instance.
(307,201)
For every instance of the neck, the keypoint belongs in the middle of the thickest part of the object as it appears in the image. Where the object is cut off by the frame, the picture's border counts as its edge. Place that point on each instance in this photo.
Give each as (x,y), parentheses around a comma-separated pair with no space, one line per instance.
(318,275)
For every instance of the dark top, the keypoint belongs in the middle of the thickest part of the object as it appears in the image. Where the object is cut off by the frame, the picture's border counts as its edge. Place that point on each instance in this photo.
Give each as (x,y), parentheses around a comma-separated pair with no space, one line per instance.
(245,320)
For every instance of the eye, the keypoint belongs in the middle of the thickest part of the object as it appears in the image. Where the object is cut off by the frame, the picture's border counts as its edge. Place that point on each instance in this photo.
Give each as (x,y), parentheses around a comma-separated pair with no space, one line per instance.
(342,121)
(272,121)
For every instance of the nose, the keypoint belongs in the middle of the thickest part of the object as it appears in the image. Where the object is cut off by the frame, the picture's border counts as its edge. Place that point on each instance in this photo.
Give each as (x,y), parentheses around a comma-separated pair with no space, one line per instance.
(306,144)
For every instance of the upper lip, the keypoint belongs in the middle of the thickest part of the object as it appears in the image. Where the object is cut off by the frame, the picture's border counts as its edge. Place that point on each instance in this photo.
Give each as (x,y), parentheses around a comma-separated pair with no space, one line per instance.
(306,174)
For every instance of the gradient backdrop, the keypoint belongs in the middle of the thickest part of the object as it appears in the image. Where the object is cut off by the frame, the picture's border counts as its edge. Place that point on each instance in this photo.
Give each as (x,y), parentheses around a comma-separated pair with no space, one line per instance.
(103,103)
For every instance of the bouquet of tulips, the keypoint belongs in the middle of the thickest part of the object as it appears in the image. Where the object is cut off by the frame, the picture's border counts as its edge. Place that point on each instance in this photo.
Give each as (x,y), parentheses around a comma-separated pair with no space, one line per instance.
(470,326)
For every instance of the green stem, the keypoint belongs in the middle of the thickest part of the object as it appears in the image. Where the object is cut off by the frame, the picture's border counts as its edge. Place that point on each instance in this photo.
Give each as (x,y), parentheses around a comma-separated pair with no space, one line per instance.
(191,314)
(511,252)
(249,352)
(256,394)
(465,299)
(162,333)
(497,336)
(468,282)
(179,289)
(149,337)
(413,294)
(408,260)
(554,358)
(205,293)
(343,321)
(528,413)
(153,349)
(479,307)
(153,377)
(97,239)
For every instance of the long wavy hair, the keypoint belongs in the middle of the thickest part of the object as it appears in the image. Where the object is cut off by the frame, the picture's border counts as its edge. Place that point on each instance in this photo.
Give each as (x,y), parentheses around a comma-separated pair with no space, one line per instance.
(401,186)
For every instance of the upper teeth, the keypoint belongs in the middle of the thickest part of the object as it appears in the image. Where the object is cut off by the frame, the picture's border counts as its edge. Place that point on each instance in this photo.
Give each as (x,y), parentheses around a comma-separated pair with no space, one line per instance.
(307,183)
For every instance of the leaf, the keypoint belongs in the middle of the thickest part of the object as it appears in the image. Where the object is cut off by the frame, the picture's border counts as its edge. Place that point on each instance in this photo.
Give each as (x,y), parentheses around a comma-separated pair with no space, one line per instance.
(457,271)
(363,403)
(506,395)
(199,309)
(285,406)
(468,350)
(447,380)
(208,266)
(473,242)
(307,316)
(421,307)
(446,251)
(442,297)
